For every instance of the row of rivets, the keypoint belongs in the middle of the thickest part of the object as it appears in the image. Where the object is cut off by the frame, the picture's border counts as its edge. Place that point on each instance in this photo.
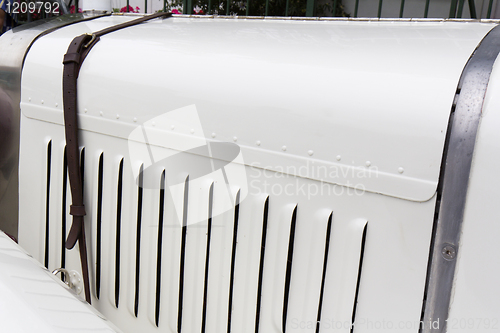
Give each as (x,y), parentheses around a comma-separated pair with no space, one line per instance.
(43,102)
(235,139)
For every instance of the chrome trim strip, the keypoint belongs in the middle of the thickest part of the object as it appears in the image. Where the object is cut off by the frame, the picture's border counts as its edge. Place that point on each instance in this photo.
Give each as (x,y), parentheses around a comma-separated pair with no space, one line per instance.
(323,18)
(454,180)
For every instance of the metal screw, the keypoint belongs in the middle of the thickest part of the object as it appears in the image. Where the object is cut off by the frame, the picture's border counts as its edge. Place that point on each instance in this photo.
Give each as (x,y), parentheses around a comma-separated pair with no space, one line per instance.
(449,252)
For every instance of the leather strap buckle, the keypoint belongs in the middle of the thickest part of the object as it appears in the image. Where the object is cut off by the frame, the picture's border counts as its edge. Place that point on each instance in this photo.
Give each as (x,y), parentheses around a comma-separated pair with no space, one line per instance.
(92,39)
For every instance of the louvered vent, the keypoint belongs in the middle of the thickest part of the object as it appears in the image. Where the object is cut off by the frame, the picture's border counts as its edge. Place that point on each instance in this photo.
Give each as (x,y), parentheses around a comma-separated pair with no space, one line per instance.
(195,252)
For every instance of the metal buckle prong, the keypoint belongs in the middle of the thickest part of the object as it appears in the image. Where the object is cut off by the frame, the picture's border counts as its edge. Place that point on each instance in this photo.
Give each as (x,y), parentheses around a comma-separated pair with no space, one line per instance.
(91,40)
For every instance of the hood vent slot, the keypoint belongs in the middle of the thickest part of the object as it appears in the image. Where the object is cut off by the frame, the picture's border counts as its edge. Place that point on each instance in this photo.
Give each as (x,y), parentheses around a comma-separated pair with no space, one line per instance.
(233,259)
(323,277)
(63,210)
(99,226)
(207,260)
(361,257)
(289,262)
(261,265)
(138,239)
(159,249)
(47,204)
(183,254)
(118,231)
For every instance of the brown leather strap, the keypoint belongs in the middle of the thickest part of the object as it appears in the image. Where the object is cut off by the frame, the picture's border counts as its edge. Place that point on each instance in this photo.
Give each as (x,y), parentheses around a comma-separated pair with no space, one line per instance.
(70,73)
(77,51)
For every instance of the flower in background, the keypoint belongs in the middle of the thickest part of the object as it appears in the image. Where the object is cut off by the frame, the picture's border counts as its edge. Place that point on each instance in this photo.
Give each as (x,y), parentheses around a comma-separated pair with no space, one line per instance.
(175,11)
(200,12)
(72,9)
(130,9)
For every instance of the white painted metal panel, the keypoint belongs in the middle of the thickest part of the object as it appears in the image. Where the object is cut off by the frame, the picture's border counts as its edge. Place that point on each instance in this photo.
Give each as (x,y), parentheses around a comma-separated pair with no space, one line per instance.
(221,247)
(275,262)
(34,300)
(172,235)
(307,269)
(247,270)
(394,119)
(393,270)
(195,255)
(148,259)
(37,195)
(288,128)
(343,275)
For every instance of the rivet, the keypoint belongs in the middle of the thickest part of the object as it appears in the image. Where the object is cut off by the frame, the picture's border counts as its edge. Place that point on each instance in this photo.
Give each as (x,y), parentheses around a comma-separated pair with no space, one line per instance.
(57,105)
(100,113)
(449,252)
(338,157)
(192,131)
(235,138)
(401,170)
(29,99)
(117,116)
(257,143)
(153,123)
(135,119)
(213,135)
(42,101)
(368,163)
(310,152)
(283,148)
(172,127)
